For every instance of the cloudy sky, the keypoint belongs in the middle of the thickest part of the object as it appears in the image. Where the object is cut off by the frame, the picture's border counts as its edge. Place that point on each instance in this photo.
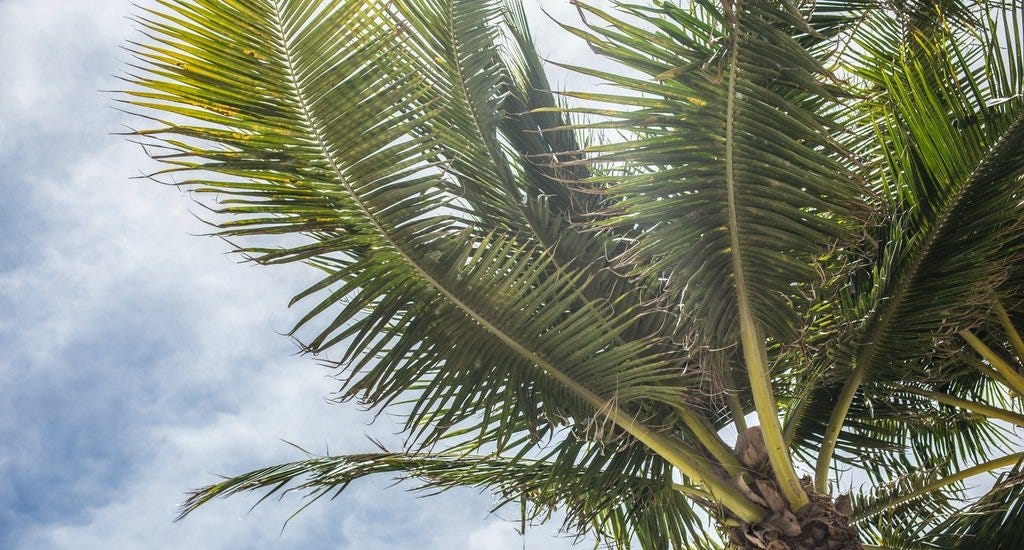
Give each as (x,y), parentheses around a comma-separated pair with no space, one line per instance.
(137,359)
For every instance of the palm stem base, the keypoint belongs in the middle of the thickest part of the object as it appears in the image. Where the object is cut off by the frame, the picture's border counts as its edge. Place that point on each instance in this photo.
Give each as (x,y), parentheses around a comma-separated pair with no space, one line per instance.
(820,524)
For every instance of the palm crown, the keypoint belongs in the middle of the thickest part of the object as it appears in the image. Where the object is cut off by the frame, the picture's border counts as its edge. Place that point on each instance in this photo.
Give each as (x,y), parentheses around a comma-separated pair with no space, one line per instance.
(803,213)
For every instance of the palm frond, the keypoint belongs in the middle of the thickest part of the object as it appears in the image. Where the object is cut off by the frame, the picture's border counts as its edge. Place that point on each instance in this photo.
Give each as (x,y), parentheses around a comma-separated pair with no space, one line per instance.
(556,290)
(745,187)
(944,241)
(314,127)
(919,516)
(899,510)
(612,505)
(992,521)
(789,195)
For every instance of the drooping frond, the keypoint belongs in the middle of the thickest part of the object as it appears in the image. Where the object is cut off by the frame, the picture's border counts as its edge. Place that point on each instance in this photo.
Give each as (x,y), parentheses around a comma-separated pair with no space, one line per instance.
(900,507)
(617,507)
(917,512)
(329,123)
(890,429)
(955,159)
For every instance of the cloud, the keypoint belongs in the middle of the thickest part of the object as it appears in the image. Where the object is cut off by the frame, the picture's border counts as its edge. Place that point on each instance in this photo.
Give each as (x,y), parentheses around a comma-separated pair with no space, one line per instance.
(494,535)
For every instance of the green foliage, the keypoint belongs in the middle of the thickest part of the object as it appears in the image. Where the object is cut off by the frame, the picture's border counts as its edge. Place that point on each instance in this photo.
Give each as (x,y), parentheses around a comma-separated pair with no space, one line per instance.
(788,209)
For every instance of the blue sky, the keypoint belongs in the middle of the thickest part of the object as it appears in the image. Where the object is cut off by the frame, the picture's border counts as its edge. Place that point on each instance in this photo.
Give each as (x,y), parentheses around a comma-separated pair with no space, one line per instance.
(137,360)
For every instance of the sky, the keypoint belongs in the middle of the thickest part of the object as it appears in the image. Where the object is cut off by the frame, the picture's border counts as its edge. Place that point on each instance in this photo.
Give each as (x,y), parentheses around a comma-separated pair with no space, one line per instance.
(138,359)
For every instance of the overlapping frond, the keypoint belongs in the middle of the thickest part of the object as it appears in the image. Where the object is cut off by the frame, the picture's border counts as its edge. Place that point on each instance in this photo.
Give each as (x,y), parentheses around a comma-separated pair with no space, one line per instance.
(955,153)
(743,185)
(925,510)
(889,428)
(900,507)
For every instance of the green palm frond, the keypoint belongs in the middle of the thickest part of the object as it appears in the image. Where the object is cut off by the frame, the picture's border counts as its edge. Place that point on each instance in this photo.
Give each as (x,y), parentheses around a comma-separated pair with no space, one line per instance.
(319,132)
(615,506)
(900,509)
(949,199)
(993,521)
(924,509)
(958,419)
(699,130)
(833,17)
(944,247)
(746,186)
(891,428)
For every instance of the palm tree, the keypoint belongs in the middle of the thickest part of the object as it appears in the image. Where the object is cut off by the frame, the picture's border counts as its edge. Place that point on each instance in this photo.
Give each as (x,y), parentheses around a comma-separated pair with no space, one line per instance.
(805,216)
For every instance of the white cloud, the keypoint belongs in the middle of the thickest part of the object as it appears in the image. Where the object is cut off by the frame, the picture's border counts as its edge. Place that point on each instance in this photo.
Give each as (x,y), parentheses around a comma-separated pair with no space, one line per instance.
(495,535)
(47,47)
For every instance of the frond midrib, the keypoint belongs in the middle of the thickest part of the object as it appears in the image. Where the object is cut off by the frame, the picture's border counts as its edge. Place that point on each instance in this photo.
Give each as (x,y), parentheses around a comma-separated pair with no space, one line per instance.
(753,346)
